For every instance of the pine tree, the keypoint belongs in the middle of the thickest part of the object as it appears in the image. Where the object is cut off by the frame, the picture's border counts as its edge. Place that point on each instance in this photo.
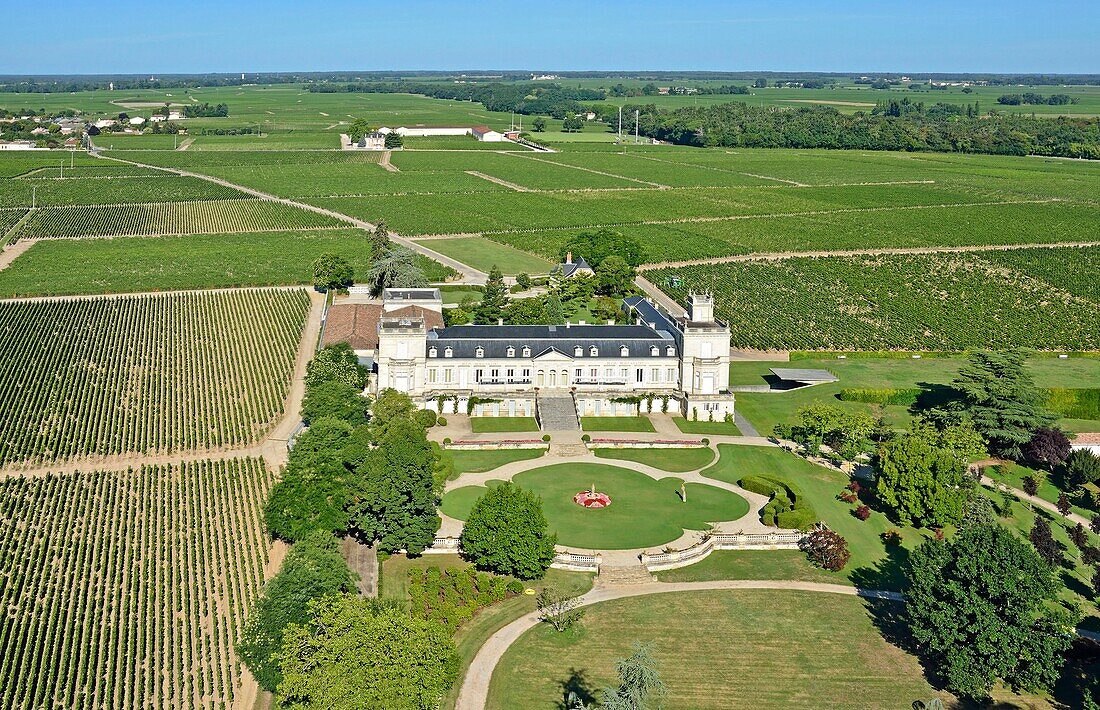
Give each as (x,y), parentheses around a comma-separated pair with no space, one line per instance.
(494,299)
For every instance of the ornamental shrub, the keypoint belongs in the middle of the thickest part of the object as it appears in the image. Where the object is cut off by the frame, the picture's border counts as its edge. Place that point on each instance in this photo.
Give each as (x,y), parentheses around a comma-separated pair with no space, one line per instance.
(827,549)
(862,512)
(881,395)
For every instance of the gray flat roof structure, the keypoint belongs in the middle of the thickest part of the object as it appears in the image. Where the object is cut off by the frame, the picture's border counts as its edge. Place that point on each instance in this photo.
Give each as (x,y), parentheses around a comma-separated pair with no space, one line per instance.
(802,375)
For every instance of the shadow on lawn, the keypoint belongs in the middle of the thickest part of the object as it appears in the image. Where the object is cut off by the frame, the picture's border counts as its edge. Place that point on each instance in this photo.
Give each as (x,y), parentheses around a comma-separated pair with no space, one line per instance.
(887,573)
(577,687)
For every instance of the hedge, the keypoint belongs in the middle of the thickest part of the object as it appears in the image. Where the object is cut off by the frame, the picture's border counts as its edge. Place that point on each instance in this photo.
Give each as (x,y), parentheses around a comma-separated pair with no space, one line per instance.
(788,507)
(1073,403)
(881,395)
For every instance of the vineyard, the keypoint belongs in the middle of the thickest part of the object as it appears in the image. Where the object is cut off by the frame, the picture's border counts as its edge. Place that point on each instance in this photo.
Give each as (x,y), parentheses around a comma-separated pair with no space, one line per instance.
(144,374)
(204,217)
(908,302)
(127,589)
(89,191)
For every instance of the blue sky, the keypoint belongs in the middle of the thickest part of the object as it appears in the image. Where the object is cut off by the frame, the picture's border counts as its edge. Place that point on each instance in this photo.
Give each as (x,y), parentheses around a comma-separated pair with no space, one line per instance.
(781,35)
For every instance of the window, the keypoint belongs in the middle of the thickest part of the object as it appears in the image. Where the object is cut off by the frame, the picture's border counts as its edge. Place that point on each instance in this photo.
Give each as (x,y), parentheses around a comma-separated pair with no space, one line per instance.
(448,352)
(480,352)
(448,375)
(432,374)
(432,352)
(494,374)
(670,374)
(655,375)
(578,351)
(624,374)
(670,351)
(511,351)
(654,351)
(578,374)
(594,374)
(477,374)
(526,351)
(526,373)
(593,351)
(639,375)
(624,351)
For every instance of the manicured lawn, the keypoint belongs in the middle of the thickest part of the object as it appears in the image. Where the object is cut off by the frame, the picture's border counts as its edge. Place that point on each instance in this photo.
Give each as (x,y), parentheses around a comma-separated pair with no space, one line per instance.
(643,512)
(675,460)
(766,409)
(458,295)
(478,461)
(488,425)
(753,564)
(472,635)
(723,649)
(483,254)
(638,423)
(873,564)
(1047,490)
(722,428)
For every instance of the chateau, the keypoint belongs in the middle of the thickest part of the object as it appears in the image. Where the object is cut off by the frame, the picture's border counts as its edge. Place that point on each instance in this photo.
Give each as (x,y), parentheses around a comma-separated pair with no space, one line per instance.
(654,363)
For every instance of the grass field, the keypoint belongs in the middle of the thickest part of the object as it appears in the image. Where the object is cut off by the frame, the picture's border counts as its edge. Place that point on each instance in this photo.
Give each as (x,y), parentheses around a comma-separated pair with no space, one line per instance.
(488,425)
(134,264)
(643,512)
(674,460)
(144,374)
(702,427)
(483,255)
(128,589)
(600,424)
(478,461)
(722,649)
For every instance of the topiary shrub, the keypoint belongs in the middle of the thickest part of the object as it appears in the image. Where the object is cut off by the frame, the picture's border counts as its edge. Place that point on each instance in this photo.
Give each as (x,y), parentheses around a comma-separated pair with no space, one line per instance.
(586,438)
(442,421)
(425,418)
(446,440)
(546,438)
(706,441)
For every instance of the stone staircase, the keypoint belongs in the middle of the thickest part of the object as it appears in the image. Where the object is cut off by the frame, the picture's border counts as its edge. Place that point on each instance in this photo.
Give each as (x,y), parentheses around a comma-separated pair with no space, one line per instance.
(557,412)
(621,576)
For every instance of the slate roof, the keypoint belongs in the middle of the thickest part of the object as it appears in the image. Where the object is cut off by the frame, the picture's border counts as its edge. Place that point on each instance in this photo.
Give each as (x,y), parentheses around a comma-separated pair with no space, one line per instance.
(496,339)
(567,269)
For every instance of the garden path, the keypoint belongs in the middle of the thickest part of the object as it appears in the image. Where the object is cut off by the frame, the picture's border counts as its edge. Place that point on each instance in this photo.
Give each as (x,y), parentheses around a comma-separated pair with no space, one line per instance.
(1034,500)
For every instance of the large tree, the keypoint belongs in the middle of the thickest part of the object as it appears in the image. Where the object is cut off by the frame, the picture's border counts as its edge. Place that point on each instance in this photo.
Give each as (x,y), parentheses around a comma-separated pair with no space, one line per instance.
(1080,468)
(979,608)
(336,363)
(507,533)
(640,686)
(331,271)
(494,299)
(396,504)
(922,474)
(313,568)
(358,654)
(397,268)
(614,276)
(998,395)
(1048,446)
(597,246)
(337,399)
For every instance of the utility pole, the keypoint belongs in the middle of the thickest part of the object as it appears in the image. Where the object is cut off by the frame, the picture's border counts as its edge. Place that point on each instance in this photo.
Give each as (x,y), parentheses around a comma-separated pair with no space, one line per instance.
(635,126)
(620,124)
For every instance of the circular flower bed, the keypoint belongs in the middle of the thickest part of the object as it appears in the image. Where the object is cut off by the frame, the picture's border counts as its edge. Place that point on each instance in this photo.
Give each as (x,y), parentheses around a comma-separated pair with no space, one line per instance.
(590,499)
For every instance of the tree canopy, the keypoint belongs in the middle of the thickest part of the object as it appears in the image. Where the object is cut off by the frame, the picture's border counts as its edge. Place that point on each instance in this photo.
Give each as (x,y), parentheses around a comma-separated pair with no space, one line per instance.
(359,654)
(336,363)
(313,568)
(507,533)
(332,272)
(597,246)
(978,606)
(337,399)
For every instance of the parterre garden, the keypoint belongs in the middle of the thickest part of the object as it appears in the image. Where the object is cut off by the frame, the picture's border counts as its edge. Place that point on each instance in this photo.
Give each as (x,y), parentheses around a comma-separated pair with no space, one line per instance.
(128,588)
(144,374)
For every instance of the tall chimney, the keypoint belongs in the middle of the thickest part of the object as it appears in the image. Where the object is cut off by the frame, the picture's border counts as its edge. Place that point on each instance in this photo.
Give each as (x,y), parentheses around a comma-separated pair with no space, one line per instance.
(568,257)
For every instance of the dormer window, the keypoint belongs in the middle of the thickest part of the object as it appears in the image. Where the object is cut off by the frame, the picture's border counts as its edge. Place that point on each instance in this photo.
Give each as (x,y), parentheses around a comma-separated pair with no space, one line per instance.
(449,352)
(511,351)
(593,351)
(526,351)
(578,351)
(480,352)
(624,351)
(432,352)
(654,351)
(670,351)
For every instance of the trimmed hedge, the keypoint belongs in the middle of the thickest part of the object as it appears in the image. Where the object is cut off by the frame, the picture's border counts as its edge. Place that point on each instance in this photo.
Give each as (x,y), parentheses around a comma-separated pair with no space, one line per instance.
(881,395)
(788,507)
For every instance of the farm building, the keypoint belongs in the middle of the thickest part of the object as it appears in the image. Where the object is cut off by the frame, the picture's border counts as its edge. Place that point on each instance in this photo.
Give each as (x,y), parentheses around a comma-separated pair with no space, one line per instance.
(486,134)
(375,140)
(136,120)
(18,145)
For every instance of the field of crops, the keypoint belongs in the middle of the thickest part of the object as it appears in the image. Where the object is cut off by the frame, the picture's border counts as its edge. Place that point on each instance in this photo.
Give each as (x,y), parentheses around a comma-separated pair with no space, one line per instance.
(123,190)
(127,589)
(136,264)
(203,217)
(908,302)
(144,374)
(14,163)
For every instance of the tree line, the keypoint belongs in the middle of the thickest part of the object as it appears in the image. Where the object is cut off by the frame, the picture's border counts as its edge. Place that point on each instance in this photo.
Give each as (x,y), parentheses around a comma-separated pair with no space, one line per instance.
(740,125)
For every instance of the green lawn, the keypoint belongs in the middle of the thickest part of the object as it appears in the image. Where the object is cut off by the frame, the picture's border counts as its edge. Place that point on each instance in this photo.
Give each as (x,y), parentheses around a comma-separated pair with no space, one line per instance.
(458,295)
(766,409)
(721,428)
(478,461)
(488,425)
(675,460)
(483,254)
(472,635)
(753,564)
(1047,490)
(643,512)
(638,423)
(723,649)
(872,563)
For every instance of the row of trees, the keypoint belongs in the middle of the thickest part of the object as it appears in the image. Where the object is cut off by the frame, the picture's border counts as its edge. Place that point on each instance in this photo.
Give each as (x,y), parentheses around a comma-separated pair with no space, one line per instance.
(741,125)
